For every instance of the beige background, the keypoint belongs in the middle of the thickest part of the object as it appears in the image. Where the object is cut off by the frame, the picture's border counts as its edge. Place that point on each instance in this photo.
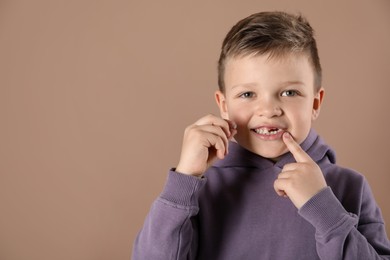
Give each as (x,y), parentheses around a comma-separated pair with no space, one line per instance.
(94,97)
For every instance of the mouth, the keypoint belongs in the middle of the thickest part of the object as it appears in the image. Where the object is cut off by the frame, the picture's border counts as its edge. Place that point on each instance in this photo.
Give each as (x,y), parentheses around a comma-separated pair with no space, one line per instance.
(267,130)
(269,133)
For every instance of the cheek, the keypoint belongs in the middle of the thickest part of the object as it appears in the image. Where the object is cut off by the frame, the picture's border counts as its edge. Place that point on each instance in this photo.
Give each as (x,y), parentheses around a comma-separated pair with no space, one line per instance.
(302,112)
(301,121)
(239,114)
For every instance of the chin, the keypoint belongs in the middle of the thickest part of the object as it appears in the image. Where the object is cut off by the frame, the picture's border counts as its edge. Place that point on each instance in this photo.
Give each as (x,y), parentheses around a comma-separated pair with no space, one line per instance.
(272,153)
(274,156)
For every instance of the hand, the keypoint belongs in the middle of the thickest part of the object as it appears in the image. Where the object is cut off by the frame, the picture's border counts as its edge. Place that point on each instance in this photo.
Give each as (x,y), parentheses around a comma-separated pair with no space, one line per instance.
(299,181)
(203,142)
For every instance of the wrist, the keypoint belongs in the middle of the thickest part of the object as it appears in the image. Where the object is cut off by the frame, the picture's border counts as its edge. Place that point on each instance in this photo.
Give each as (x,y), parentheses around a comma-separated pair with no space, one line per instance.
(188,171)
(182,189)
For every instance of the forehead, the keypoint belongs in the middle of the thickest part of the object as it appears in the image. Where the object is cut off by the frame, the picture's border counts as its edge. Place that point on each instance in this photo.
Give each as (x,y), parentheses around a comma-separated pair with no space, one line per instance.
(265,69)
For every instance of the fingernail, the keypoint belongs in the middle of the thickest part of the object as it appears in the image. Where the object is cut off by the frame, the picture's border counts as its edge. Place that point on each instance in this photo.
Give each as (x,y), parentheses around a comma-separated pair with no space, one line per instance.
(287,135)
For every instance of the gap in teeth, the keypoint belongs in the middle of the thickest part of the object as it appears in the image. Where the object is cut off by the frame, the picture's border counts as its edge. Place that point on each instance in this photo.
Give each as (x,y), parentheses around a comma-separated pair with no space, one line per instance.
(265,131)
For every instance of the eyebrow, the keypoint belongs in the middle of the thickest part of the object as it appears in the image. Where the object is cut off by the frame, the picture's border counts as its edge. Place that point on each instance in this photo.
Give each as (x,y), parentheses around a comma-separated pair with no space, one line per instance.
(295,82)
(286,83)
(244,85)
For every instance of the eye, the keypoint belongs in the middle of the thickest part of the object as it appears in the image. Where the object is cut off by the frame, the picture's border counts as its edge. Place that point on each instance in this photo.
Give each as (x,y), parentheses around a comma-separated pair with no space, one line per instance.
(289,93)
(247,95)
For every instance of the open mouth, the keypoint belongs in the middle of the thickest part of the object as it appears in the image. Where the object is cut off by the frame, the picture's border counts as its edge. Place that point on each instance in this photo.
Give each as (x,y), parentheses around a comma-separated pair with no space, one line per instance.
(267,130)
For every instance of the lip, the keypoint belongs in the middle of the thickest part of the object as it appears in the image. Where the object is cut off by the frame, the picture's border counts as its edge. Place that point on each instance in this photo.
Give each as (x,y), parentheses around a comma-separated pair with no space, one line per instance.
(266,136)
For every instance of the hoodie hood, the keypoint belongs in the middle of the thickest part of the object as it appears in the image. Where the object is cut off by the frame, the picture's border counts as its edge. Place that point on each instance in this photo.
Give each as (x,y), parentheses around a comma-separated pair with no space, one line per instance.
(313,145)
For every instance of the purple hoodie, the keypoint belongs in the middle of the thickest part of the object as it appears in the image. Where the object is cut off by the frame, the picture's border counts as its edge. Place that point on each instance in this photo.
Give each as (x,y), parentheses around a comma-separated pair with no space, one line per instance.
(234,213)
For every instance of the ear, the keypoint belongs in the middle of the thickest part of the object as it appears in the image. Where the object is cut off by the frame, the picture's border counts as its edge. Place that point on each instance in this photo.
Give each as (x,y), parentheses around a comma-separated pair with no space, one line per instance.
(221,102)
(317,102)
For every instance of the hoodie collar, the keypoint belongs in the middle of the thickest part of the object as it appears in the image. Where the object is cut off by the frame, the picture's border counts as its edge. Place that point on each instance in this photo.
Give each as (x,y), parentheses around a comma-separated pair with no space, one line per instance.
(313,145)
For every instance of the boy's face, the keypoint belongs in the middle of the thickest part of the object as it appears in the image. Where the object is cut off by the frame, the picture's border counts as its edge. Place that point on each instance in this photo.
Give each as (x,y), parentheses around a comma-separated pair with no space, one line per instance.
(268,96)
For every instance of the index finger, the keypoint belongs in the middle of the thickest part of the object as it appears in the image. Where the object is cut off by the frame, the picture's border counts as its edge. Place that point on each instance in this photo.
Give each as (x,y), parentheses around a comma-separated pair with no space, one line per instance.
(299,154)
(226,125)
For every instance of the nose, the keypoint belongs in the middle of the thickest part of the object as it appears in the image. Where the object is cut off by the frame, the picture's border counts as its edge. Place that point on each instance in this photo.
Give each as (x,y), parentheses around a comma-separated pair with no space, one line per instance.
(268,107)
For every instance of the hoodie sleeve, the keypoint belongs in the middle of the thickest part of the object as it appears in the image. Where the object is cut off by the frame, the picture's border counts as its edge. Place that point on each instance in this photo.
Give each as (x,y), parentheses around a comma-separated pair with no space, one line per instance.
(169,230)
(343,235)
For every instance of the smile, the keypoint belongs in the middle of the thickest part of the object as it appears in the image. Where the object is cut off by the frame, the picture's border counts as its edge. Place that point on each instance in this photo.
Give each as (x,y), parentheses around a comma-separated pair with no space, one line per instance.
(267,131)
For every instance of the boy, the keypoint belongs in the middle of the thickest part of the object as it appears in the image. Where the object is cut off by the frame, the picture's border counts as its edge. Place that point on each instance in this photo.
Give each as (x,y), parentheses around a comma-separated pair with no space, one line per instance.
(275,192)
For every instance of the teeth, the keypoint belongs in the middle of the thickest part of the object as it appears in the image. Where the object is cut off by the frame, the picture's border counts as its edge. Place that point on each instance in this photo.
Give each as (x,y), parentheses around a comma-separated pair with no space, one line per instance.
(265,131)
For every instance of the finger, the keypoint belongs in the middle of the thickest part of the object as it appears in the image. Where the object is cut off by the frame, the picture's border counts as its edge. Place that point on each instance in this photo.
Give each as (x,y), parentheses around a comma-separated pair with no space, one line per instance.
(216,121)
(217,144)
(205,133)
(232,127)
(290,167)
(217,131)
(299,154)
(279,185)
(285,175)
